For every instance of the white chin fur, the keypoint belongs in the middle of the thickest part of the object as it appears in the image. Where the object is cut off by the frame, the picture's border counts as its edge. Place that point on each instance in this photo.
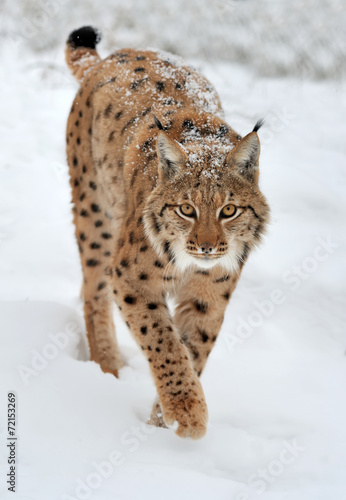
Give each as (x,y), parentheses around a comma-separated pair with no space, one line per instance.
(229,262)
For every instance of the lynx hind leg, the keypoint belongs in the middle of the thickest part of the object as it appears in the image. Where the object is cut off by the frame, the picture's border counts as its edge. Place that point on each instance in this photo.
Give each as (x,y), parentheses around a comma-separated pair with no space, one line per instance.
(156,417)
(94,242)
(98,311)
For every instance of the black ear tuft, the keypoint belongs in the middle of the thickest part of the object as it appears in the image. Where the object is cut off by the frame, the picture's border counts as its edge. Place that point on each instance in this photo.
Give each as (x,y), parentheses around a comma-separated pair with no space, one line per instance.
(84,37)
(258,124)
(158,123)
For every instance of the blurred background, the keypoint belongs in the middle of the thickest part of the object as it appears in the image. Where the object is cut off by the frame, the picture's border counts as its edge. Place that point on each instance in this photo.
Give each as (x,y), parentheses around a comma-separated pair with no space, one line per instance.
(276,37)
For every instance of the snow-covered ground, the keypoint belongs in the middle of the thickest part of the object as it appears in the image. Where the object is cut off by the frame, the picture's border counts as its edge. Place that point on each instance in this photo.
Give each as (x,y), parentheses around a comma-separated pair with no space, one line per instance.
(275,383)
(277,37)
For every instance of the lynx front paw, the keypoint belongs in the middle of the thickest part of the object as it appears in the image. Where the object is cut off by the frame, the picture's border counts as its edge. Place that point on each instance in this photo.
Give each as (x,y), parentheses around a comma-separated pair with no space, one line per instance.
(190,411)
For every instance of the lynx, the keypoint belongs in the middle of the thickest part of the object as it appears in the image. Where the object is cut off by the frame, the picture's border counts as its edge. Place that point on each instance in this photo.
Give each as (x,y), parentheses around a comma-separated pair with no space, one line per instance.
(166,203)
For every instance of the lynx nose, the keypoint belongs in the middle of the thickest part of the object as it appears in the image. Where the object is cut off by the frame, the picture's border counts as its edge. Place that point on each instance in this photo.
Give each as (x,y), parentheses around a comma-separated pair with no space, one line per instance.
(206,247)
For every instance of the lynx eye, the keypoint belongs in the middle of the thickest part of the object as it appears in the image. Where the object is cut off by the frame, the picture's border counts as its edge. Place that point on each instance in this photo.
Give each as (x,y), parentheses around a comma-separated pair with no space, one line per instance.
(187,210)
(228,211)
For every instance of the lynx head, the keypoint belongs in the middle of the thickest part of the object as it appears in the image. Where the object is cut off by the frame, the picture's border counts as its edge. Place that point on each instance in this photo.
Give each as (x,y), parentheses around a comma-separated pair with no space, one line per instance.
(206,209)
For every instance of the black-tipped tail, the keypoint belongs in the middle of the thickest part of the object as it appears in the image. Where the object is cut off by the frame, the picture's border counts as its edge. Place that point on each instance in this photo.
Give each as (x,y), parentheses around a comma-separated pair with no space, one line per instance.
(87,37)
(258,124)
(82,43)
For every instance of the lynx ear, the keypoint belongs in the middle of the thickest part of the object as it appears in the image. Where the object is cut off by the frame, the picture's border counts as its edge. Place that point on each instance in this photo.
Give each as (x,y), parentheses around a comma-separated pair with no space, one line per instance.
(171,156)
(244,157)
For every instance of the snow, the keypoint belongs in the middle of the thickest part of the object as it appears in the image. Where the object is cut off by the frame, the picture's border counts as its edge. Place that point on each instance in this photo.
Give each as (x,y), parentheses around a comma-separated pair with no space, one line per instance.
(275,382)
(274,37)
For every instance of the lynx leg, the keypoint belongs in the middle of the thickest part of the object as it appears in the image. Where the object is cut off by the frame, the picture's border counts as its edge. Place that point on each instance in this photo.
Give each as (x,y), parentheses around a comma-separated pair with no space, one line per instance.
(180,392)
(156,417)
(199,315)
(103,345)
(198,318)
(95,253)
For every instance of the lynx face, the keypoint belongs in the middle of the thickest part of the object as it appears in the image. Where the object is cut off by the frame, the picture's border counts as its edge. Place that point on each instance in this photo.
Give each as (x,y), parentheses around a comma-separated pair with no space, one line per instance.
(206,210)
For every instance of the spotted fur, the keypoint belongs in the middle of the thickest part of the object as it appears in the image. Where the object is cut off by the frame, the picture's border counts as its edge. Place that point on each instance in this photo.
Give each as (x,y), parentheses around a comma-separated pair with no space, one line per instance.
(146,135)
